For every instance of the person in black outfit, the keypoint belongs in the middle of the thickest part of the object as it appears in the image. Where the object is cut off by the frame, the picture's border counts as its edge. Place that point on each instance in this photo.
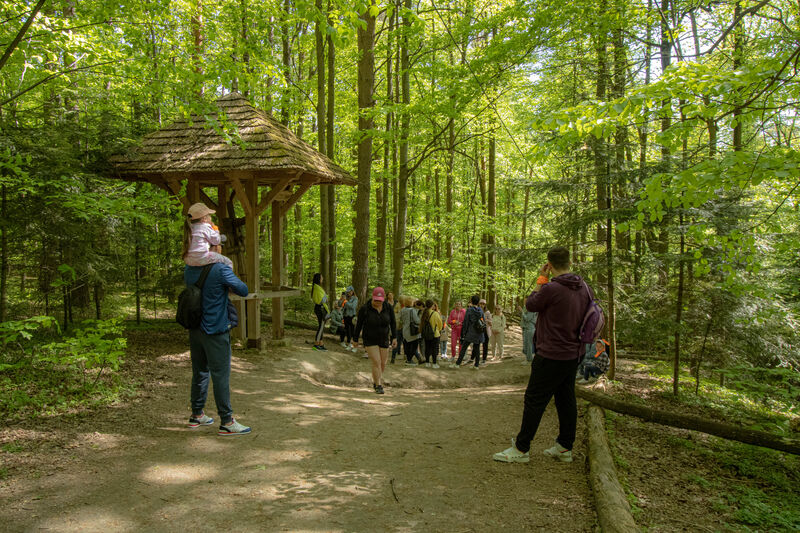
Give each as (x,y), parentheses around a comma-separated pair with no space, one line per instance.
(471,333)
(376,321)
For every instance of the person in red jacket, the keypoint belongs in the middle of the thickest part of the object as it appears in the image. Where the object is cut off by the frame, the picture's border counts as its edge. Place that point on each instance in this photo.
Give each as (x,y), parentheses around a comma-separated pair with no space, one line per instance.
(455,320)
(561,302)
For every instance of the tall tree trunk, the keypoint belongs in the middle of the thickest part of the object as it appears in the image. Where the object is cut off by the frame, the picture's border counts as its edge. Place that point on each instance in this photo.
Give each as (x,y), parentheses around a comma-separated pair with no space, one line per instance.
(286,57)
(601,162)
(491,211)
(331,155)
(402,186)
(366,84)
(448,206)
(324,219)
(382,193)
(198,46)
(3,253)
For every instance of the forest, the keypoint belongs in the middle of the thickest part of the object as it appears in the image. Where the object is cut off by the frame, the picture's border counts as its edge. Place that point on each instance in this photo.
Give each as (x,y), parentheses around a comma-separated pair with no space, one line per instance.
(655,139)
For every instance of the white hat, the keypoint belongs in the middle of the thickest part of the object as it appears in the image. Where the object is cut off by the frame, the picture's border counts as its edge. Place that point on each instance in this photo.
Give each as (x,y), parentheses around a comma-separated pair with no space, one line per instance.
(199,210)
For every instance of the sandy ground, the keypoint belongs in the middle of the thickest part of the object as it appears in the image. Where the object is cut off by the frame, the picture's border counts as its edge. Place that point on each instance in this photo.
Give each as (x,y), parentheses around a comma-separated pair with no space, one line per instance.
(326,453)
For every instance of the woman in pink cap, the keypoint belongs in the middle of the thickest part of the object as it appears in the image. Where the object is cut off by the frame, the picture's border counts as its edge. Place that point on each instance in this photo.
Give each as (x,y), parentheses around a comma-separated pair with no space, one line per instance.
(376,321)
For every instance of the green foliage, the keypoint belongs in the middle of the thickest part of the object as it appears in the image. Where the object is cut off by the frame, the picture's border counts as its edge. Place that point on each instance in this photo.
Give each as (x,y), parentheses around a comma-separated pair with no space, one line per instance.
(40,375)
(97,344)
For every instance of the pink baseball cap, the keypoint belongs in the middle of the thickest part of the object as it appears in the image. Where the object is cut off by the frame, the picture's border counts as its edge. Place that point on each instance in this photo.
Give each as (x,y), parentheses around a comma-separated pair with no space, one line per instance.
(378,294)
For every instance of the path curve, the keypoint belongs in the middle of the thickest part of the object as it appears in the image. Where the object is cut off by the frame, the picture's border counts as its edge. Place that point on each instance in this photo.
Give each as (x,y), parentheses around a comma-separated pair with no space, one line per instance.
(320,458)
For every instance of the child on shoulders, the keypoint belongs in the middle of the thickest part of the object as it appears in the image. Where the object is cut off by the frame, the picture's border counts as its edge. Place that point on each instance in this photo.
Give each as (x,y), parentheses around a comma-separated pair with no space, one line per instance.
(199,236)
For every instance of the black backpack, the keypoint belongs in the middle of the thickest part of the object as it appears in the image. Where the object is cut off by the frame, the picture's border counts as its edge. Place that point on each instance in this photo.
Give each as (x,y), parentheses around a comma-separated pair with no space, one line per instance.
(190,302)
(427,331)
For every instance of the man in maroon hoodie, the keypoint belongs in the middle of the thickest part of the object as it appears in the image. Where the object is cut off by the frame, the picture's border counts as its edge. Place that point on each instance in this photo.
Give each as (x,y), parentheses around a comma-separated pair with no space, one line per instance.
(561,303)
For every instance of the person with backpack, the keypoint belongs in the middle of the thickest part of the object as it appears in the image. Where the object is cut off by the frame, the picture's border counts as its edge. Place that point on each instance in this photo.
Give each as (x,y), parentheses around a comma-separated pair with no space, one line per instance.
(409,316)
(431,326)
(210,344)
(562,302)
(321,310)
(472,332)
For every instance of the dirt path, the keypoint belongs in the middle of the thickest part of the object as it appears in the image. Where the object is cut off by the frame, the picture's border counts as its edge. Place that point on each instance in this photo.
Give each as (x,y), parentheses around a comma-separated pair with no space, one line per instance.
(326,453)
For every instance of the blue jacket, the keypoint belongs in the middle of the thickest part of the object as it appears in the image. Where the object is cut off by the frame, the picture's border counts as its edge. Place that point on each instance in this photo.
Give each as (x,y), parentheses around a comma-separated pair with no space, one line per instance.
(351,306)
(215,295)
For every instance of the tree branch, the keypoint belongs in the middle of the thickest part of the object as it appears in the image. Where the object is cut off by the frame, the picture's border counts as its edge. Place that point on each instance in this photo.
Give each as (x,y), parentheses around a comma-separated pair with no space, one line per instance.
(20,34)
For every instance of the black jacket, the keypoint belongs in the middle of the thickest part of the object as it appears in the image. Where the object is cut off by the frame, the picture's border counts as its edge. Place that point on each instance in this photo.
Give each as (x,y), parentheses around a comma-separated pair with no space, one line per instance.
(470,332)
(378,327)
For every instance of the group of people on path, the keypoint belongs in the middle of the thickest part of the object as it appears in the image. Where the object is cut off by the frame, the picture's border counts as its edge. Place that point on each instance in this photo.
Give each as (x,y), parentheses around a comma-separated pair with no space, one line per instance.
(551,340)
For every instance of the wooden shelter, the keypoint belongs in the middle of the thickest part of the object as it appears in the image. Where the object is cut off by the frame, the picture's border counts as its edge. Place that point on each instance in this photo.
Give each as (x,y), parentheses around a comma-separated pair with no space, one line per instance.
(264,166)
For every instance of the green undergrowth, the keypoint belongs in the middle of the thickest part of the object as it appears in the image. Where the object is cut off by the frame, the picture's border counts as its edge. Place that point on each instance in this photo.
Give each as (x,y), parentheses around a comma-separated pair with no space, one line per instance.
(45,372)
(758,398)
(753,488)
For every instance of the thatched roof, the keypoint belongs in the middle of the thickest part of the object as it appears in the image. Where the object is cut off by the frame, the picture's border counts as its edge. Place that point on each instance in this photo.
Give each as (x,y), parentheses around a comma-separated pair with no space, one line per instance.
(191,149)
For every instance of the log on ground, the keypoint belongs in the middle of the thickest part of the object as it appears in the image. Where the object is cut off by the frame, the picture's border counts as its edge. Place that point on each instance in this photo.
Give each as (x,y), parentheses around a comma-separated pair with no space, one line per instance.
(693,422)
(613,509)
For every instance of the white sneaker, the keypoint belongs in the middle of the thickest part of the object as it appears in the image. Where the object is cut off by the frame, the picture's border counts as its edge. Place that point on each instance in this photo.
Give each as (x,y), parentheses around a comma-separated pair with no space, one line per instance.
(512,455)
(343,344)
(454,366)
(435,366)
(582,382)
(473,367)
(559,452)
(428,365)
(354,350)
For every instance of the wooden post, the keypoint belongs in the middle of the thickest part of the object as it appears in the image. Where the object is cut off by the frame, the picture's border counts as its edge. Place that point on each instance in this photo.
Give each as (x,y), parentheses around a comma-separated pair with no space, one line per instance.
(252,268)
(222,213)
(277,269)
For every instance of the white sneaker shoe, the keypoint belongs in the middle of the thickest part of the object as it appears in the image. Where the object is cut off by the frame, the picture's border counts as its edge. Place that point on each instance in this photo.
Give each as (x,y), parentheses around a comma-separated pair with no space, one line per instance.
(559,452)
(454,366)
(435,366)
(512,455)
(428,365)
(343,344)
(582,381)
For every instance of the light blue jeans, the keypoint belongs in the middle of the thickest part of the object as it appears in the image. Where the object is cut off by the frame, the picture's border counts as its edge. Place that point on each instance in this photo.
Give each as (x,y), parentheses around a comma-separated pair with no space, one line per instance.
(211,357)
(527,343)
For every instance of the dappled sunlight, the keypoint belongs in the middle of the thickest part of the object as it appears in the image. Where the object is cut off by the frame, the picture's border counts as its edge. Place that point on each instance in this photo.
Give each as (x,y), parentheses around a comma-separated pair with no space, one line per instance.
(178,473)
(183,357)
(87,519)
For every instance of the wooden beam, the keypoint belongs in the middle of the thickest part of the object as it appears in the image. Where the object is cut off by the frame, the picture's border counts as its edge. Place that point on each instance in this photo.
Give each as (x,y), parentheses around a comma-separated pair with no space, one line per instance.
(193,191)
(174,186)
(242,196)
(208,201)
(288,204)
(251,259)
(277,270)
(273,192)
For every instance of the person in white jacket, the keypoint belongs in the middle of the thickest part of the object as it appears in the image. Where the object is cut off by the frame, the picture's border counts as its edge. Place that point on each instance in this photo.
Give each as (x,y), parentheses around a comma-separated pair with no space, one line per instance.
(498,338)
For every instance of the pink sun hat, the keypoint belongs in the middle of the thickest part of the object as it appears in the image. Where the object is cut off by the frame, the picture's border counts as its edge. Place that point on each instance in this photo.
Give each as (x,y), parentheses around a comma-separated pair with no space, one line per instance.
(378,294)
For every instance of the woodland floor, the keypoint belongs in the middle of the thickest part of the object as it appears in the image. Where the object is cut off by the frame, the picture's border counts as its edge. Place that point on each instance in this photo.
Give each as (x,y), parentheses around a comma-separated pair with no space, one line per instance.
(325,454)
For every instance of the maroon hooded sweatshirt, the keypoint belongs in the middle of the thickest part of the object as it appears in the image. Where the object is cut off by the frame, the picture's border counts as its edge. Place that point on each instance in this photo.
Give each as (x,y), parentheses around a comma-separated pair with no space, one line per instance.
(561,305)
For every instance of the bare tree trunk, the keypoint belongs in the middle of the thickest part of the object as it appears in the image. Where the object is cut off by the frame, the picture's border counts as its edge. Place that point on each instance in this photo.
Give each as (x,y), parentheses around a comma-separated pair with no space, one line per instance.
(402,186)
(198,48)
(491,208)
(366,84)
(331,155)
(324,235)
(382,194)
(3,254)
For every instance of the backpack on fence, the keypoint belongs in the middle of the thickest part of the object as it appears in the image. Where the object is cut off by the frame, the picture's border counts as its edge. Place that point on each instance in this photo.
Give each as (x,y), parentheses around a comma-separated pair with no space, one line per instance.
(593,320)
(190,302)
